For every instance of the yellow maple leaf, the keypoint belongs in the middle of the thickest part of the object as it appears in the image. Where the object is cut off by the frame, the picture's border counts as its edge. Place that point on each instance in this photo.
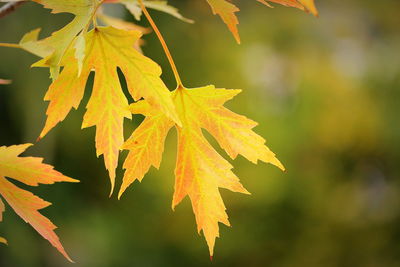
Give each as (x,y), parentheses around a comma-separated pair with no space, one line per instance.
(200,170)
(107,49)
(30,171)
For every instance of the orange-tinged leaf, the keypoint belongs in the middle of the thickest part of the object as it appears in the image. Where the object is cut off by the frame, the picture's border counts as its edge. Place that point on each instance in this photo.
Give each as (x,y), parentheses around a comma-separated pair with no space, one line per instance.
(226,11)
(200,170)
(307,5)
(107,49)
(30,171)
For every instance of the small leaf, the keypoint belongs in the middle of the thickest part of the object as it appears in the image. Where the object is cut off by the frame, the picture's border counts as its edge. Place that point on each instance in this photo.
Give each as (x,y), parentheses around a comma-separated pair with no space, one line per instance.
(226,11)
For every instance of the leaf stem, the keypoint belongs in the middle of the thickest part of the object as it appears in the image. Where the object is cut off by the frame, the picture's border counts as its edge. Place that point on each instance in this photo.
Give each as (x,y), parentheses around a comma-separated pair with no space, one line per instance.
(163,44)
(10,45)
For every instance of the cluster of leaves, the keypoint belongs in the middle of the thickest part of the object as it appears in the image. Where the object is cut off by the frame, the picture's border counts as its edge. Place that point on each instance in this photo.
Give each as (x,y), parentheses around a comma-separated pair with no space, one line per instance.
(82,47)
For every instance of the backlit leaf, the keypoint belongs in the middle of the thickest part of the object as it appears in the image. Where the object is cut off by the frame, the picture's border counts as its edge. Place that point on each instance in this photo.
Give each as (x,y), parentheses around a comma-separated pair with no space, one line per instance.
(226,10)
(107,49)
(30,171)
(200,170)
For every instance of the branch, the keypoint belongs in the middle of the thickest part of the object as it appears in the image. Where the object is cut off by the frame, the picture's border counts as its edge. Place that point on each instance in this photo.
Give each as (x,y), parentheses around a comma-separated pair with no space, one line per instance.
(9,8)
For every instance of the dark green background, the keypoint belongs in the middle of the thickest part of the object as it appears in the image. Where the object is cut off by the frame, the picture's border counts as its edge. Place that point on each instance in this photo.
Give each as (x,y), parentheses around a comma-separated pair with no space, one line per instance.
(326,94)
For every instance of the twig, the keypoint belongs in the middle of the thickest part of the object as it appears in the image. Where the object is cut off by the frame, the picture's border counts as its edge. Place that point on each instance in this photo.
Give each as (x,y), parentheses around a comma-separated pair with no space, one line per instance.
(9,8)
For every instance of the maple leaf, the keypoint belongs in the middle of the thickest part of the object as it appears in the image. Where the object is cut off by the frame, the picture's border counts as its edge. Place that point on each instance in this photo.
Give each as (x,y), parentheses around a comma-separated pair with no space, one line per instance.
(226,10)
(121,24)
(106,50)
(30,171)
(134,8)
(200,171)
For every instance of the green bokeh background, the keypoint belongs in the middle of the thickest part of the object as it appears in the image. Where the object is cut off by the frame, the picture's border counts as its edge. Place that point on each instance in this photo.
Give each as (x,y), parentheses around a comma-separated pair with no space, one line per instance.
(326,94)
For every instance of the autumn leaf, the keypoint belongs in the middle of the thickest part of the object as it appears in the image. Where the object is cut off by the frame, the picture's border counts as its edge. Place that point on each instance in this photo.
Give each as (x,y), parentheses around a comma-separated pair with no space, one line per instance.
(289,3)
(200,171)
(54,47)
(106,50)
(226,10)
(30,171)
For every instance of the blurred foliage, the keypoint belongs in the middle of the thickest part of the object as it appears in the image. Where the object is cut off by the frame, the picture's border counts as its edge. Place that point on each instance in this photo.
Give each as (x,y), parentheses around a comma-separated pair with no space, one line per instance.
(326,94)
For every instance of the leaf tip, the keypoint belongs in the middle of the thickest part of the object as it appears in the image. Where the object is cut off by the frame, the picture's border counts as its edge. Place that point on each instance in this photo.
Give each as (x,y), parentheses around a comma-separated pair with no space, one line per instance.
(120,193)
(237,38)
